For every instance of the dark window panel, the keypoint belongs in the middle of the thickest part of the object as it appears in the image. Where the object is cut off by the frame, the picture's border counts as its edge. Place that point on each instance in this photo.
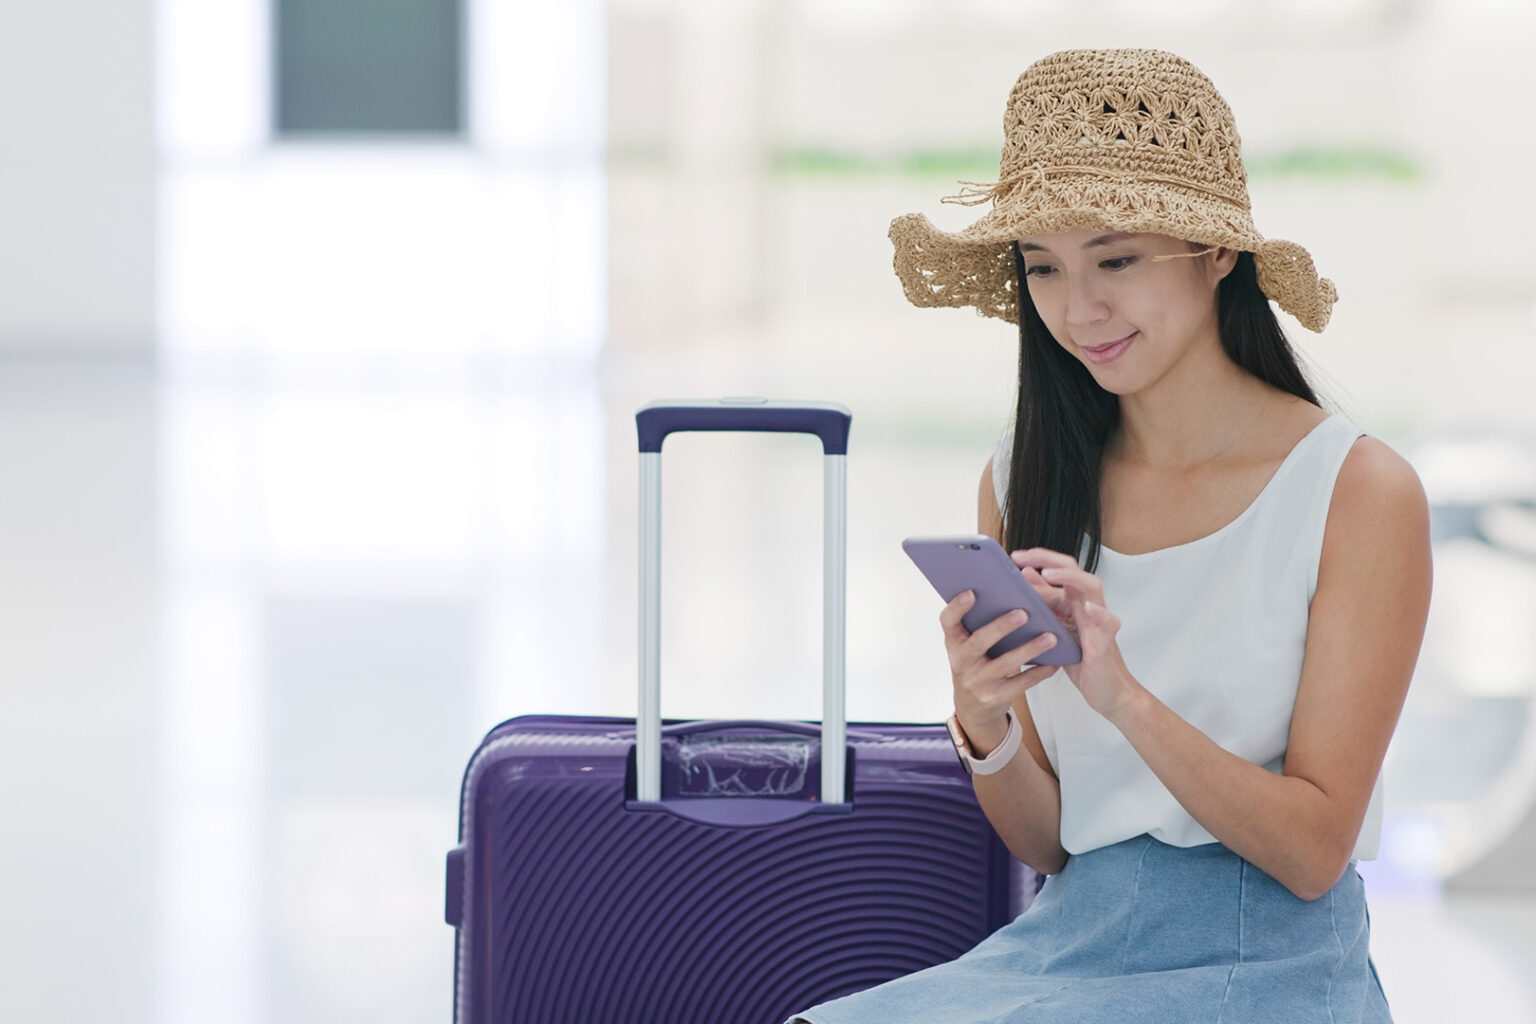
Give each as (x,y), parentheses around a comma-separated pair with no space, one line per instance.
(368,67)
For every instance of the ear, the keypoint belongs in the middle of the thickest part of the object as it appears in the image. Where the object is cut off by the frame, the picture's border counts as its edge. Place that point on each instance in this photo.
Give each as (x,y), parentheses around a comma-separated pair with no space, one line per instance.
(1220,264)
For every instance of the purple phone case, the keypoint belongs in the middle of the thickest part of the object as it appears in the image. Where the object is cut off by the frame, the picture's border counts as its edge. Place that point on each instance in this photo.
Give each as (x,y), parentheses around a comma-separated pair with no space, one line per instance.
(574,904)
(977,562)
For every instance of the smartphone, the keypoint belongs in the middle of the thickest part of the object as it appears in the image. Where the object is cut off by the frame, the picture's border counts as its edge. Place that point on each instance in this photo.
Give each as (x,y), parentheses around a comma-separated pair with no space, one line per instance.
(957,564)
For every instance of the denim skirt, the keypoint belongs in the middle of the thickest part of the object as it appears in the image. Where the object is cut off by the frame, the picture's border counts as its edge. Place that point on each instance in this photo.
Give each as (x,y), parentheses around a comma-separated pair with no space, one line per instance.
(1144,931)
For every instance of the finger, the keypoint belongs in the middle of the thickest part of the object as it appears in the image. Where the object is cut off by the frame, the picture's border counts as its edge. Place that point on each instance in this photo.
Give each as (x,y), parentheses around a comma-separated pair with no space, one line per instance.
(1036,674)
(1035,648)
(1096,629)
(1033,578)
(1047,590)
(1078,583)
(1020,661)
(1040,557)
(983,639)
(1100,618)
(949,618)
(1055,597)
(1016,684)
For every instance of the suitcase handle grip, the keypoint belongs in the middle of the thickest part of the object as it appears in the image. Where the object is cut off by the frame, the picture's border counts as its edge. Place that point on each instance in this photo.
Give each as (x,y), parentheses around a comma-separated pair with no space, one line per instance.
(793,728)
(828,421)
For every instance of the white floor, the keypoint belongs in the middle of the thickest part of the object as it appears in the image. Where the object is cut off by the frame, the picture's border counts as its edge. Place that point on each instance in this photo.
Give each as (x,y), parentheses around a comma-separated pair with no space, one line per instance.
(251,628)
(1463,958)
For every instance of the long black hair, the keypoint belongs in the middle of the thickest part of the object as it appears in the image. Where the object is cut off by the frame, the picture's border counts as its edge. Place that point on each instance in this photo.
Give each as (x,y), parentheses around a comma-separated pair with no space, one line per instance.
(1064,418)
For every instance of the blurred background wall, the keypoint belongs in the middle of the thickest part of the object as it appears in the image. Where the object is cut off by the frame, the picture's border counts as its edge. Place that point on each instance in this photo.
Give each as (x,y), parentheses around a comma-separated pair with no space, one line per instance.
(78,178)
(323,327)
(79,601)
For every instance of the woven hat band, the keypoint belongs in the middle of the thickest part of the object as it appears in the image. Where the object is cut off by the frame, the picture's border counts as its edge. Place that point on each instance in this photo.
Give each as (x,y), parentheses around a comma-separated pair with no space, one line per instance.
(1028,178)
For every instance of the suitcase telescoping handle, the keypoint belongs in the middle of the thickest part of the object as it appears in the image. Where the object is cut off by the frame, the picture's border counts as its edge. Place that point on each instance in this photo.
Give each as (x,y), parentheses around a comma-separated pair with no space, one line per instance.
(829,422)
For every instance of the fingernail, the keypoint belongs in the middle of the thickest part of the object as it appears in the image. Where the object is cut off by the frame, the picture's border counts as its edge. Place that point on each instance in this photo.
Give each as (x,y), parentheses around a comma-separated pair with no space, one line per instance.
(1050,640)
(968,597)
(1018,616)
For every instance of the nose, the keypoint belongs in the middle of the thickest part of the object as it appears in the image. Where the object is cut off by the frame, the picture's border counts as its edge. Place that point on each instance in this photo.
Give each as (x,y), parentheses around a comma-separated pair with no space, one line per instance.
(1086,304)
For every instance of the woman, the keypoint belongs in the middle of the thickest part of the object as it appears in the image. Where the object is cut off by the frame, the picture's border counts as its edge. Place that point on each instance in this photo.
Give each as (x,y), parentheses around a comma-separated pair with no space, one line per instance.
(1247,575)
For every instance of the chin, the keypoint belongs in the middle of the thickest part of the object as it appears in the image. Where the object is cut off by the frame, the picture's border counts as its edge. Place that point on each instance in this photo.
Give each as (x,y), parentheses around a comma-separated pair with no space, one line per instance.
(1115,384)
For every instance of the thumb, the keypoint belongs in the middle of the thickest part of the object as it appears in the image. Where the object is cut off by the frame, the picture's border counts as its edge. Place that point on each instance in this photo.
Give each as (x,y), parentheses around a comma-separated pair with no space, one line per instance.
(1100,618)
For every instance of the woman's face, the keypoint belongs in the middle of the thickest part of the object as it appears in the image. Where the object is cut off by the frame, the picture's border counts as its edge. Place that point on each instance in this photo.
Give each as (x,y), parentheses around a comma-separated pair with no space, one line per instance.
(1128,317)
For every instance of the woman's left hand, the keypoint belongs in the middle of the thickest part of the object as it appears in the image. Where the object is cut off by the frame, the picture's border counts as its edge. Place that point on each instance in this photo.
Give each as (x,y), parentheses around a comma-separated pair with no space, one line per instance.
(1077,599)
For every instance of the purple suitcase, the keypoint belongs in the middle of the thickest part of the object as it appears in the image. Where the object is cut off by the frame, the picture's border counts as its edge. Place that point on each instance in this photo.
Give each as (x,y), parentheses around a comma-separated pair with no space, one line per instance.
(613,871)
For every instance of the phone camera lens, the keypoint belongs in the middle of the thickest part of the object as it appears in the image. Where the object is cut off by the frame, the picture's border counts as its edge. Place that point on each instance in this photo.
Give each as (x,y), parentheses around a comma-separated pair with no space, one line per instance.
(975,547)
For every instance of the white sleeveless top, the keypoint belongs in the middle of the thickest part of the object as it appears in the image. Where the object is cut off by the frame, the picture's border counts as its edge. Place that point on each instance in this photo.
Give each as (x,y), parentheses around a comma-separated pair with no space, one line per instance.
(1216,629)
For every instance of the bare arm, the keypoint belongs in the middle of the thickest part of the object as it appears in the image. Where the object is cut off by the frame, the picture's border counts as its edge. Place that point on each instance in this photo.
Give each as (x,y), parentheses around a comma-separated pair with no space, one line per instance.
(1023,800)
(1363,634)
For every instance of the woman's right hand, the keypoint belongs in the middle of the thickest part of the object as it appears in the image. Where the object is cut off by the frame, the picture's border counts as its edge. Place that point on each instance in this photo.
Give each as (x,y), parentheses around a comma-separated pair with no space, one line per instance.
(986,687)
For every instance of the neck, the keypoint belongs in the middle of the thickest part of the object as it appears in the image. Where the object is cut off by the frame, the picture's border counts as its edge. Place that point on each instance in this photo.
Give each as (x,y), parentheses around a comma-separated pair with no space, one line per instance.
(1202,409)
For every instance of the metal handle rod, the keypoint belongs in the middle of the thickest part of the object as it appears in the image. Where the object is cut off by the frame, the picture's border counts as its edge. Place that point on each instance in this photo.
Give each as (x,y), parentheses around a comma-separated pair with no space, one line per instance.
(834,705)
(648,716)
(834,714)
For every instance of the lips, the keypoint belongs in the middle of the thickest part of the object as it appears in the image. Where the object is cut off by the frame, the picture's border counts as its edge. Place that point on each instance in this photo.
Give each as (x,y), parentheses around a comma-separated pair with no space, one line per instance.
(1104,353)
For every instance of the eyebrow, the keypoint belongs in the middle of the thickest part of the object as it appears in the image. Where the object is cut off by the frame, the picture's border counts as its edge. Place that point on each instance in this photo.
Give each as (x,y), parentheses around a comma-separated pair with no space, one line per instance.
(1106,239)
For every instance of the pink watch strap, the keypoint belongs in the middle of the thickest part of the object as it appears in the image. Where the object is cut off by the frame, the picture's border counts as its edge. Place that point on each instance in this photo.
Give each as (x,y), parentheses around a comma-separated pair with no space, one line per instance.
(994,761)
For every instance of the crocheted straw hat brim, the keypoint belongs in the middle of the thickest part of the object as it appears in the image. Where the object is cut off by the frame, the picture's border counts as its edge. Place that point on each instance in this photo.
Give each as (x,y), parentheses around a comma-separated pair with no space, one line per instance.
(1121,140)
(974,267)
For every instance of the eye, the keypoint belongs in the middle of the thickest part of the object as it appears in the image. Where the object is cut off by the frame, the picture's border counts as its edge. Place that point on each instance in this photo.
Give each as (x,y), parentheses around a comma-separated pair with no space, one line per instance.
(1038,270)
(1117,262)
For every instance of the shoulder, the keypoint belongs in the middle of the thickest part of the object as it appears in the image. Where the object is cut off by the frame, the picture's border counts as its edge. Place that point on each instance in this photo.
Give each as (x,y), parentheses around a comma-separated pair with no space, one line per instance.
(989,516)
(987,478)
(1378,515)
(1374,480)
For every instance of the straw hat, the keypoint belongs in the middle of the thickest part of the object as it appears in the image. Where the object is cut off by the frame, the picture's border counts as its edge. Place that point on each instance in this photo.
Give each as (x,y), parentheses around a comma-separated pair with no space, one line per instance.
(1125,140)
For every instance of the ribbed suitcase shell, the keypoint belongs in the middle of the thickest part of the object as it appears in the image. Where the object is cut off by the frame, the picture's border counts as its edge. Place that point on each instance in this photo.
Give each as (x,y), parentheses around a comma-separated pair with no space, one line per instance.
(576,906)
